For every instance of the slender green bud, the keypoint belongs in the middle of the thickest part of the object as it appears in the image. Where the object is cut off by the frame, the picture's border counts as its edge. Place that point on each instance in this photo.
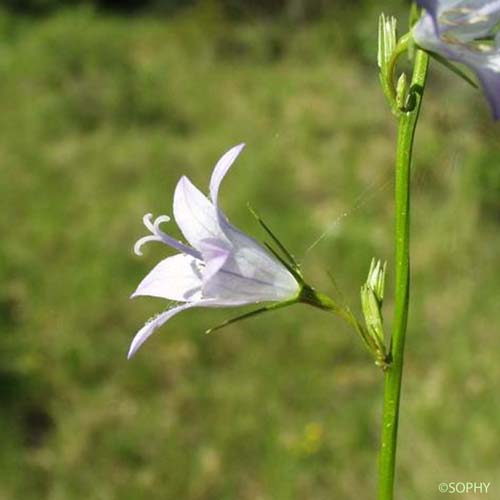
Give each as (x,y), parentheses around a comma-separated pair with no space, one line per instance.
(387,47)
(386,40)
(402,91)
(373,315)
(372,297)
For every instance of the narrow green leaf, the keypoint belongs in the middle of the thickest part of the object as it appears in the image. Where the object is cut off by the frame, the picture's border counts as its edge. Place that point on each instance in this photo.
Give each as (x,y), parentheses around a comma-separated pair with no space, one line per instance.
(293,270)
(250,314)
(455,69)
(266,228)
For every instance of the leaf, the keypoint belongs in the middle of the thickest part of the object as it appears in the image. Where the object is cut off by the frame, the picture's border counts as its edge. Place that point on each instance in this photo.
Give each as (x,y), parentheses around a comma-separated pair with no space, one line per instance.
(250,314)
(267,229)
(445,62)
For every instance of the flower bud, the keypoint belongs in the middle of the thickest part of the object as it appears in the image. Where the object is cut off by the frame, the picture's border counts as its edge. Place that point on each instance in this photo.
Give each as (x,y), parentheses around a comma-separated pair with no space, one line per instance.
(386,40)
(401,91)
(372,296)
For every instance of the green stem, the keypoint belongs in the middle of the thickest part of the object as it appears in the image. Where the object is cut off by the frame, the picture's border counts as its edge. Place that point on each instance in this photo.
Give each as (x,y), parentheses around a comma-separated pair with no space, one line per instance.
(314,298)
(393,375)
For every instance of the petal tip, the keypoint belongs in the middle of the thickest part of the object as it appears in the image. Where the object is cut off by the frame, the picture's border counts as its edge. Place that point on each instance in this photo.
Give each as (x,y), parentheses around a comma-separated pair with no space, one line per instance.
(222,167)
(182,180)
(135,345)
(136,292)
(183,188)
(132,350)
(236,150)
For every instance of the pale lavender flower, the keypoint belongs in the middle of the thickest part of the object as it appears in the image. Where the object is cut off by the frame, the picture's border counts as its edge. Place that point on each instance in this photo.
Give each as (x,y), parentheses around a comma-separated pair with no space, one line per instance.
(219,267)
(465,31)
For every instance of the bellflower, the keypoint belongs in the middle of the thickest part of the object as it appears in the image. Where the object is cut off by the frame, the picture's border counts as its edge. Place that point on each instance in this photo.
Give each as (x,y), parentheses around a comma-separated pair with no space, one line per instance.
(218,267)
(465,31)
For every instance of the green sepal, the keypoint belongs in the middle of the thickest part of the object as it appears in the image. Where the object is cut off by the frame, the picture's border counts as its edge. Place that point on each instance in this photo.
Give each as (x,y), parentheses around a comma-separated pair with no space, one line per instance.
(295,272)
(415,13)
(282,247)
(455,69)
(250,314)
(387,39)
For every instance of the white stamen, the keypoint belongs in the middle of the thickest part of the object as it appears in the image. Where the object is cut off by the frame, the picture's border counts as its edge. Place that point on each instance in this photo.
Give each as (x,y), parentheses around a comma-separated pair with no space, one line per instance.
(148,222)
(159,220)
(143,240)
(159,235)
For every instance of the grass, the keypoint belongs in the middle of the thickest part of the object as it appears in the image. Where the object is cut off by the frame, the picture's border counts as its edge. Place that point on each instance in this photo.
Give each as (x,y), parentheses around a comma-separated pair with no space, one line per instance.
(100,117)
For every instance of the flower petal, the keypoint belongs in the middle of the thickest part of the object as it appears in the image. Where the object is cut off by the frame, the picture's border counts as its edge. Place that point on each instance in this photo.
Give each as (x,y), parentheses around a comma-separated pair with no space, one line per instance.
(175,278)
(426,33)
(428,5)
(227,284)
(461,25)
(431,6)
(221,169)
(215,254)
(250,273)
(147,330)
(490,81)
(462,20)
(194,213)
(463,12)
(467,20)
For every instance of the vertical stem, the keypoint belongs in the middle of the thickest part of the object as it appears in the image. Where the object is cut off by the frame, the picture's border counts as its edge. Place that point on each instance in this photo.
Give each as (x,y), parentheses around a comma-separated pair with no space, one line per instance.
(393,375)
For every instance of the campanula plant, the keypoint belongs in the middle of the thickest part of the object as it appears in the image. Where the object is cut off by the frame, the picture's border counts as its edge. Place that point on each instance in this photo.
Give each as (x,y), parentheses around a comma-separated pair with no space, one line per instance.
(219,266)
(452,31)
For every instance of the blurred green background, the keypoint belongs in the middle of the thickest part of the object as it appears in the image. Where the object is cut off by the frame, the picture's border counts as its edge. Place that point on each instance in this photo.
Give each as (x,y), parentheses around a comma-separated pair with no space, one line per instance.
(103,107)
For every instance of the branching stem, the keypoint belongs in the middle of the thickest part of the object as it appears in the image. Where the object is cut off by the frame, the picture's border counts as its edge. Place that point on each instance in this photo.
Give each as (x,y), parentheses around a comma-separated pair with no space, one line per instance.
(393,374)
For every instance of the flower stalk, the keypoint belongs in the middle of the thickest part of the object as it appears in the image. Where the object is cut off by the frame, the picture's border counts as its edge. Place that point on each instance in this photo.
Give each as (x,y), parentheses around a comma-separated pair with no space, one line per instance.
(374,345)
(407,123)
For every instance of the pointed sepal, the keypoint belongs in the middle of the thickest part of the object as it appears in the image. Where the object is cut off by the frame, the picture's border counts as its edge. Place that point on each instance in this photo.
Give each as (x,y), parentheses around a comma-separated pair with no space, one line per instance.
(387,39)
(251,314)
